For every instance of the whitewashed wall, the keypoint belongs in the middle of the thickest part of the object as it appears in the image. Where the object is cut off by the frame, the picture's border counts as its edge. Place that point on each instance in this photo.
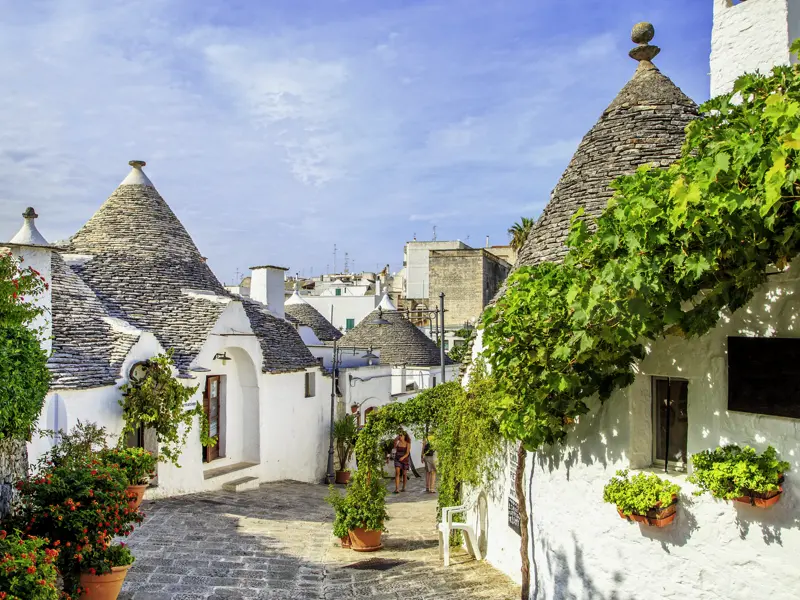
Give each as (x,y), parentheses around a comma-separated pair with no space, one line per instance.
(344,307)
(714,549)
(749,36)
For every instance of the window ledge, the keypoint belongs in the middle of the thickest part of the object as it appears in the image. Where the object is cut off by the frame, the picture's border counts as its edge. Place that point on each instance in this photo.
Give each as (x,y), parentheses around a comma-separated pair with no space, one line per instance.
(672,474)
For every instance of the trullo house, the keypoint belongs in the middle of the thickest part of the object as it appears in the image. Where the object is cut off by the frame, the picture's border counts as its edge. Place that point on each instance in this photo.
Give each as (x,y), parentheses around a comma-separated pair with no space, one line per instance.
(132,284)
(679,402)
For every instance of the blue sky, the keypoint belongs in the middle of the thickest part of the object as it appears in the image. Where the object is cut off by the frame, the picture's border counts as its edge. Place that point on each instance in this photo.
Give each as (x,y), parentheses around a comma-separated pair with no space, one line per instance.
(278,128)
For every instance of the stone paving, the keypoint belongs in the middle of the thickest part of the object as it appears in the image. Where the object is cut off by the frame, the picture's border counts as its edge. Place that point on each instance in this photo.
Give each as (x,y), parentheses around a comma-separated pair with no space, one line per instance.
(276,543)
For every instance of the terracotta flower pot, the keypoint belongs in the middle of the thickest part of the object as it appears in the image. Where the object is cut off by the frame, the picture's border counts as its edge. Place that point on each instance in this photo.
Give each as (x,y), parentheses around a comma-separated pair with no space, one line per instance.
(345,541)
(103,587)
(342,476)
(761,499)
(365,540)
(656,517)
(136,502)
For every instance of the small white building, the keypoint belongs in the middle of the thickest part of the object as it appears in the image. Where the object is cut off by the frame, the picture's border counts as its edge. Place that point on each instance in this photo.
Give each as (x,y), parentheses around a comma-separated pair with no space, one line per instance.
(580,548)
(131,284)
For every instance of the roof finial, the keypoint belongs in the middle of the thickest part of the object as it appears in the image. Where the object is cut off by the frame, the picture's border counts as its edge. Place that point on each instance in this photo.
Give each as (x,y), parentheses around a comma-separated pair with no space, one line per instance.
(30,213)
(137,164)
(28,235)
(642,34)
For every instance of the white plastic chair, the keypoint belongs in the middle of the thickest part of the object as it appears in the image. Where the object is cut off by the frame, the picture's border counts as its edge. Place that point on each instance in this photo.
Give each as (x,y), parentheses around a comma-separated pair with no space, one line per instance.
(447,525)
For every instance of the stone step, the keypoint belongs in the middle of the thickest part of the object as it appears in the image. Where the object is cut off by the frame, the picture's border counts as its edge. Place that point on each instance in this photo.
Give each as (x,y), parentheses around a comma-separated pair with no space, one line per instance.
(227,469)
(240,485)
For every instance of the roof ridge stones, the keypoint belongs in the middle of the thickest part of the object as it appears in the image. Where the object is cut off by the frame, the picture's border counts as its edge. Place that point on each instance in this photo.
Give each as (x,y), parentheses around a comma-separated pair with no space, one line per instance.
(400,341)
(644,124)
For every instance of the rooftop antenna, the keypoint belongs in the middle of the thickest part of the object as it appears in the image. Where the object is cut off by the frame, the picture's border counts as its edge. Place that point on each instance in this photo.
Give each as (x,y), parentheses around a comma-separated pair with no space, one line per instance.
(238,277)
(346,262)
(466,241)
(434,233)
(334,258)
(415,236)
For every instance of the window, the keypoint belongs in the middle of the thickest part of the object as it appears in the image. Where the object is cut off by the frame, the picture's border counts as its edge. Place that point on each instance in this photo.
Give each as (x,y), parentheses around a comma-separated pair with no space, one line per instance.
(433,381)
(338,291)
(670,421)
(350,324)
(410,387)
(310,383)
(446,345)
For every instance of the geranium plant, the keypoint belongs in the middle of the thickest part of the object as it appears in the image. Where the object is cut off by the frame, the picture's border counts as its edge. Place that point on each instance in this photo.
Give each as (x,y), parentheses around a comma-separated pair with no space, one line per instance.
(137,464)
(731,472)
(639,494)
(80,506)
(27,568)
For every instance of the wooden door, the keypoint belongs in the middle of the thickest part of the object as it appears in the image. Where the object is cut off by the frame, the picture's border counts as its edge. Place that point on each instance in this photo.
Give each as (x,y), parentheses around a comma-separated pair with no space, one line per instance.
(211,407)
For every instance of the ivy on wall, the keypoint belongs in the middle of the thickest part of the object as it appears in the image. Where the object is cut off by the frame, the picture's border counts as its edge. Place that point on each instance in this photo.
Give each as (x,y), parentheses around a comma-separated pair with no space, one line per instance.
(24,377)
(673,248)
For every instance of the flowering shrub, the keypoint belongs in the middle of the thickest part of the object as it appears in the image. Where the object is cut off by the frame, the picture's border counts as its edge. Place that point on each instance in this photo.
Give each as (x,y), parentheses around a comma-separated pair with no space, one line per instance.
(82,443)
(27,569)
(102,561)
(80,506)
(137,464)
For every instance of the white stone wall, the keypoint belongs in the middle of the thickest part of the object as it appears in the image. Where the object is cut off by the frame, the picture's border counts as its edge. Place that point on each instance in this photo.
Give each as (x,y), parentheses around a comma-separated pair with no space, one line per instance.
(714,549)
(40,260)
(748,36)
(344,307)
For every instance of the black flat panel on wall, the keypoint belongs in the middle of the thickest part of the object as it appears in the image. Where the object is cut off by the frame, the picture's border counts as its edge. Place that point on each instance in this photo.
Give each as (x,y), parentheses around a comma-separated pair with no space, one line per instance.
(764,376)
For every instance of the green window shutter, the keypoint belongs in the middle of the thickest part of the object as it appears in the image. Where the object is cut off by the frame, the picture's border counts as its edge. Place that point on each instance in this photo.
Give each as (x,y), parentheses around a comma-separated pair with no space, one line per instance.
(350,324)
(338,291)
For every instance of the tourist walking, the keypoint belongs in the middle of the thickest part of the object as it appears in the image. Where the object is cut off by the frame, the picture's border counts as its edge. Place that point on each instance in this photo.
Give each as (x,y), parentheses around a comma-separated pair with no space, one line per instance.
(429,460)
(402,457)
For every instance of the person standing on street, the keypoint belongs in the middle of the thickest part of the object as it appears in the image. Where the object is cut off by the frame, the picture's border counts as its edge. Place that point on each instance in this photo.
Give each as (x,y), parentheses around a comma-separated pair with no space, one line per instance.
(429,459)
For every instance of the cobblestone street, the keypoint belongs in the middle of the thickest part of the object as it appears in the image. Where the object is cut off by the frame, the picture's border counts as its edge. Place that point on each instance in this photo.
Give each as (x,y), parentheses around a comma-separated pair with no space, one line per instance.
(276,543)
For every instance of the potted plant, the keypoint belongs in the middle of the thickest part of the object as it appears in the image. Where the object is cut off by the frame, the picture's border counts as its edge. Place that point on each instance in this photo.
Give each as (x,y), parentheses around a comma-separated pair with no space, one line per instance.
(104,571)
(80,506)
(344,433)
(740,474)
(643,498)
(362,513)
(340,527)
(137,464)
(27,567)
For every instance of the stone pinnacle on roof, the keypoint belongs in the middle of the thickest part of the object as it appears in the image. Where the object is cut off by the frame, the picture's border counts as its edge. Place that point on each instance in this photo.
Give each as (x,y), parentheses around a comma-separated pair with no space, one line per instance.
(300,312)
(643,34)
(28,235)
(137,176)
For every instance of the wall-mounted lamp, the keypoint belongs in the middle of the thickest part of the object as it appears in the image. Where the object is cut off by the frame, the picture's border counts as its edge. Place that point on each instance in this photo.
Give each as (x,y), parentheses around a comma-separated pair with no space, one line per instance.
(223,356)
(369,356)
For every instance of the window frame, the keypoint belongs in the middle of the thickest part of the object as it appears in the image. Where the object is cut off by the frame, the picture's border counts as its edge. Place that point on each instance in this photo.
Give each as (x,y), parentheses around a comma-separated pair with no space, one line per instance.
(310,384)
(674,465)
(349,324)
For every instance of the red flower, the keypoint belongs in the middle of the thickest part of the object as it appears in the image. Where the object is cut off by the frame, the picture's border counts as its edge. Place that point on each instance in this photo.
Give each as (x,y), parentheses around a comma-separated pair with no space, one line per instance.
(31,569)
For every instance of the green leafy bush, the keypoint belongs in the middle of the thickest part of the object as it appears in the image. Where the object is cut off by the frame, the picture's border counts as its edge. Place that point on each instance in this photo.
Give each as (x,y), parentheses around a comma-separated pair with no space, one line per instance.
(138,464)
(345,432)
(364,506)
(731,472)
(640,493)
(27,568)
(82,443)
(158,403)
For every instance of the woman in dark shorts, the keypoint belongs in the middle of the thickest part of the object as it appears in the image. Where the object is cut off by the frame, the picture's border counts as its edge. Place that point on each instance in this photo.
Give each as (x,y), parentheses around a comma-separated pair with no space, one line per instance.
(402,459)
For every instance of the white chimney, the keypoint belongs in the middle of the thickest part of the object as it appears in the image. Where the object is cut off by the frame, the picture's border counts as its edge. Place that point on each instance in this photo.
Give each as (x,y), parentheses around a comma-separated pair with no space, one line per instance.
(30,247)
(267,286)
(378,289)
(487,241)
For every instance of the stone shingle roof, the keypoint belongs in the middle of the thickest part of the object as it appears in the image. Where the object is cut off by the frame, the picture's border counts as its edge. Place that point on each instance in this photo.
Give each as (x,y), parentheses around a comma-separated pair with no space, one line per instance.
(281,345)
(300,312)
(144,268)
(400,342)
(89,347)
(645,123)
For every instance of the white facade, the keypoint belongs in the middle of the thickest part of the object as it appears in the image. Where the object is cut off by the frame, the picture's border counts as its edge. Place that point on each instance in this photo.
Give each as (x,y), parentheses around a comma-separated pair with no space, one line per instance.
(268,428)
(750,35)
(267,287)
(714,549)
(347,310)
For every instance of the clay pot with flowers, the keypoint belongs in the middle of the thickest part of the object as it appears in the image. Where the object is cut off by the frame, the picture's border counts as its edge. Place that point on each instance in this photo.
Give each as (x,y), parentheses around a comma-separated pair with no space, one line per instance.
(104,570)
(27,567)
(643,498)
(137,464)
(80,505)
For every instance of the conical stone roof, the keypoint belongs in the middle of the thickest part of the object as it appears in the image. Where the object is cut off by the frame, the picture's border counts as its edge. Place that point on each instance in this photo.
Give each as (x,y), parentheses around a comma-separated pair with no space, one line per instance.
(144,268)
(645,124)
(400,341)
(300,312)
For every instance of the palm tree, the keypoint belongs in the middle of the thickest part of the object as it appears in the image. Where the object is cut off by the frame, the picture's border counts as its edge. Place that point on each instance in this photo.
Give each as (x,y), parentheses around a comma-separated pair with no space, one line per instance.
(519,233)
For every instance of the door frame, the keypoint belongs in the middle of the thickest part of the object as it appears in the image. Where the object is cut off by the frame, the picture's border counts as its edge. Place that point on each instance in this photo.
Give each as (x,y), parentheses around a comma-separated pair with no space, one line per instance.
(211,453)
